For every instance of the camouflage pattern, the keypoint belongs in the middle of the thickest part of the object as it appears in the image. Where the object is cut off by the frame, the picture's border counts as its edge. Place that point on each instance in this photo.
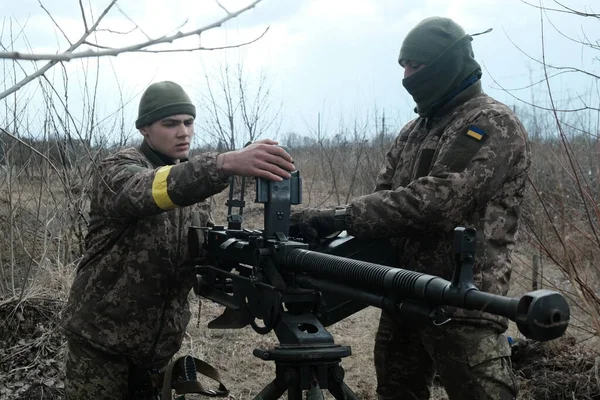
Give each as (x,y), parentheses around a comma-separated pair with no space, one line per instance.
(472,362)
(466,166)
(129,297)
(436,177)
(92,374)
(312,224)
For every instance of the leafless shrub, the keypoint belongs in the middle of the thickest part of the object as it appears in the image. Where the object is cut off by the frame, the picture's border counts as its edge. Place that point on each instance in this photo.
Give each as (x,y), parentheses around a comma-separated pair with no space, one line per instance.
(562,216)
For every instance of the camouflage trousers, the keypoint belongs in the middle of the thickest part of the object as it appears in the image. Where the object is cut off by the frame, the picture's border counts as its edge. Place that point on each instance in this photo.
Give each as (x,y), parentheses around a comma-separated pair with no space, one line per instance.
(92,374)
(473,362)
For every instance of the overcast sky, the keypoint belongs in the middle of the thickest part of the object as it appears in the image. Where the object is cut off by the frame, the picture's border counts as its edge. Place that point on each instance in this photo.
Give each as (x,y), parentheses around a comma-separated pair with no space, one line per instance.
(334,57)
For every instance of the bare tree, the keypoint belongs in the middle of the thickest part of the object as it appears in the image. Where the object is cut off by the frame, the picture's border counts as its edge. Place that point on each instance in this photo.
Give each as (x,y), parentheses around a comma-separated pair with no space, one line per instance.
(237,107)
(343,162)
(87,47)
(562,214)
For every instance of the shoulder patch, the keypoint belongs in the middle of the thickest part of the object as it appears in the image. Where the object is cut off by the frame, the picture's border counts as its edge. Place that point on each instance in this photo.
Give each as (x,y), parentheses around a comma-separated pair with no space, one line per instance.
(475,132)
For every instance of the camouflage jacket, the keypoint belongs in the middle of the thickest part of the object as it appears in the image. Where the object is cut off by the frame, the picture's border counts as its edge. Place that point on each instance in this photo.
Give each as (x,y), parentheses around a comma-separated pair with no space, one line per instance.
(129,296)
(466,166)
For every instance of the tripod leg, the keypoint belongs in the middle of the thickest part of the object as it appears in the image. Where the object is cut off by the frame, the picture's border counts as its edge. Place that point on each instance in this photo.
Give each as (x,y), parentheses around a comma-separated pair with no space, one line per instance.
(341,391)
(294,393)
(271,392)
(314,393)
(349,392)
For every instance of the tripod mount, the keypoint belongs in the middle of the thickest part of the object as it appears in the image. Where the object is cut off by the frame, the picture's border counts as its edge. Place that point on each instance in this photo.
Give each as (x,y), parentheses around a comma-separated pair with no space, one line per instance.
(307,359)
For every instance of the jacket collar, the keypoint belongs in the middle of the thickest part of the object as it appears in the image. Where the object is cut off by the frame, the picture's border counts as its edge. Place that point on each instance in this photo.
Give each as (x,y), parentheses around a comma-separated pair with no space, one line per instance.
(156,159)
(462,97)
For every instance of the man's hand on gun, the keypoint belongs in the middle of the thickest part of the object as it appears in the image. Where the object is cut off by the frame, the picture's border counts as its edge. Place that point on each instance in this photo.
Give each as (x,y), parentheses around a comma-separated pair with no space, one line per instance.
(313,224)
(261,159)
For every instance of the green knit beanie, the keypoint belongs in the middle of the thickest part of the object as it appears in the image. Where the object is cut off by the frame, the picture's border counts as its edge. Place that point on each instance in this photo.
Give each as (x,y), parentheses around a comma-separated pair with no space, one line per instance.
(429,39)
(161,100)
(444,47)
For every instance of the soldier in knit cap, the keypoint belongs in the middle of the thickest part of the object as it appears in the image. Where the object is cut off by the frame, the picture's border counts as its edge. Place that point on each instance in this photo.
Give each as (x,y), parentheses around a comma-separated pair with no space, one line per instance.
(462,162)
(127,310)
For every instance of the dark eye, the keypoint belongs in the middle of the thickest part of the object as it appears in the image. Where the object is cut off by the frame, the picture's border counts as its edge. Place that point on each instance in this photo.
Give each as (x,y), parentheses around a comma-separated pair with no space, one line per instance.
(189,123)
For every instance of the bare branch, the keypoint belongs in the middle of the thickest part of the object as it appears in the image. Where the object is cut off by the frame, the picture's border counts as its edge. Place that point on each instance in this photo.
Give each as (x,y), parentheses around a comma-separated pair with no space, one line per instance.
(70,55)
(31,148)
(21,32)
(566,10)
(589,42)
(222,7)
(85,24)
(130,20)
(543,80)
(55,23)
(575,166)
(112,31)
(546,65)
(578,41)
(531,104)
(46,67)
(190,49)
(576,12)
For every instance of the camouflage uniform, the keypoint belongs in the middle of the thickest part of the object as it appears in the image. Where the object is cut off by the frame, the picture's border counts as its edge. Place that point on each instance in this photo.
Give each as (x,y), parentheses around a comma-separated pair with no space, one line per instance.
(93,374)
(129,297)
(465,166)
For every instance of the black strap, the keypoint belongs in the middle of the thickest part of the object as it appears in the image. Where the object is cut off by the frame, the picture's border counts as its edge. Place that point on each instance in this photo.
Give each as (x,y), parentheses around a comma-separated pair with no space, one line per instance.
(191,386)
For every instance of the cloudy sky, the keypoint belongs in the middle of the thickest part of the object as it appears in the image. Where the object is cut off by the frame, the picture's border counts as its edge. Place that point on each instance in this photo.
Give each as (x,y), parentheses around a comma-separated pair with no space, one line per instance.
(337,58)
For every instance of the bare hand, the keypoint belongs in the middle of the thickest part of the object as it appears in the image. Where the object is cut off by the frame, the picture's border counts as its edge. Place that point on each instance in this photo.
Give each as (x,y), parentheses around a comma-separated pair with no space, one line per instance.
(262,159)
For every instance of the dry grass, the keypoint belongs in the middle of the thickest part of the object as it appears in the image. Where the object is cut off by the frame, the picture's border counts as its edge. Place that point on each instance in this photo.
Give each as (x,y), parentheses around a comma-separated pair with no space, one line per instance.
(560,369)
(31,348)
(31,343)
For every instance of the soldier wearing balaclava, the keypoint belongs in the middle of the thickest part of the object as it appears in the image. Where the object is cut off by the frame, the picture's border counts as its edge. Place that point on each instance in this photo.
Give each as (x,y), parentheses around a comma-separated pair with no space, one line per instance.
(462,162)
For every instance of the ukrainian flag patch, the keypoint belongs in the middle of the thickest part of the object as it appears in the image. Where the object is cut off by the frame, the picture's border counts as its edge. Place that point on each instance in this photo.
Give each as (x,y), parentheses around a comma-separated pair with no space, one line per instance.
(475,132)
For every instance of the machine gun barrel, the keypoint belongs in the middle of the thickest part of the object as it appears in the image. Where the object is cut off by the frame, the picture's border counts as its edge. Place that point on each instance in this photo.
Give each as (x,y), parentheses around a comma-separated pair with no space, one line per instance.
(540,315)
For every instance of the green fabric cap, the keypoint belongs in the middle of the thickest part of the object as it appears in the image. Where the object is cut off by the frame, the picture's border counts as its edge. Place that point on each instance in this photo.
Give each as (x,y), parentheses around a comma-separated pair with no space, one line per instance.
(444,47)
(161,100)
(426,41)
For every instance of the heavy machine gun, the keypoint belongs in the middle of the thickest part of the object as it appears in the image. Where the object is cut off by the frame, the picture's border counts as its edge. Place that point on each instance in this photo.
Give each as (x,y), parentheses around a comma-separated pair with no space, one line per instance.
(272,282)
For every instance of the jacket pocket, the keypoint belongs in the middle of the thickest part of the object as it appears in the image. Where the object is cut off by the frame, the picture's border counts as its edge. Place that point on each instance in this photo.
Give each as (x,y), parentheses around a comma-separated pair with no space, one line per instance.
(462,150)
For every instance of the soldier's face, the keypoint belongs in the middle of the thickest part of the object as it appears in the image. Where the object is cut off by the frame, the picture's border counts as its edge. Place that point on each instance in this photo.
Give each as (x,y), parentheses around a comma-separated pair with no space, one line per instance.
(410,67)
(171,136)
